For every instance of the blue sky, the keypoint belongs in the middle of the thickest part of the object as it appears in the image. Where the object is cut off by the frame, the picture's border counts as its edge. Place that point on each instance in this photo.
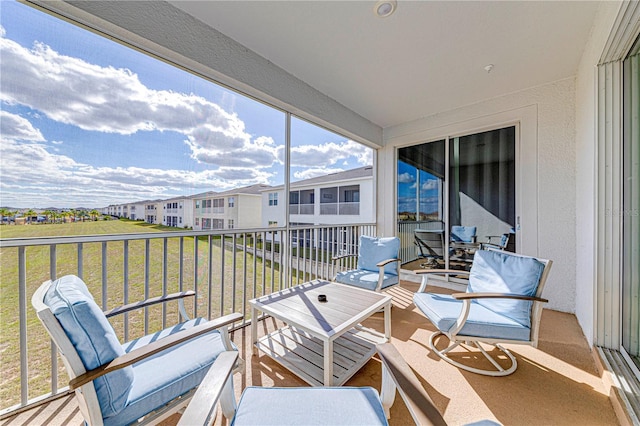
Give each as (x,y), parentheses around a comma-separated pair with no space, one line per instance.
(87,122)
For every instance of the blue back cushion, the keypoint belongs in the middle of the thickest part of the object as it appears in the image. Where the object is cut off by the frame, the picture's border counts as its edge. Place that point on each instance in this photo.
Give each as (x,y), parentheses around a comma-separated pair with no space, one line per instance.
(498,272)
(374,250)
(93,337)
(463,234)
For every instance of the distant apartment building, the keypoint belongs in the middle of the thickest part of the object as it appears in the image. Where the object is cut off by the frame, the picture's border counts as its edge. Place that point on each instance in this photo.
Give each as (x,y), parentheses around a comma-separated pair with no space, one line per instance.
(236,208)
(152,210)
(133,211)
(338,198)
(178,212)
(136,211)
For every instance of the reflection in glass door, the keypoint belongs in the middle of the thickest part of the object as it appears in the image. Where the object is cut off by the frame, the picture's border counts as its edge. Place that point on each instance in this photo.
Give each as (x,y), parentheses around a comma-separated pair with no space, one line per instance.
(455,196)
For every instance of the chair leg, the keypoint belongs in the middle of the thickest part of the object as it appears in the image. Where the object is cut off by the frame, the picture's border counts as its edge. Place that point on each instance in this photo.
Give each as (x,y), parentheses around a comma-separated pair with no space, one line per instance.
(499,370)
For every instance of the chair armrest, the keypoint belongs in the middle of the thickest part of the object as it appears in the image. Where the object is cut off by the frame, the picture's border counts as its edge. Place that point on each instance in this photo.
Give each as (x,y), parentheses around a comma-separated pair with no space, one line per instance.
(343,256)
(465,296)
(413,394)
(152,349)
(386,262)
(202,407)
(423,286)
(149,302)
(440,271)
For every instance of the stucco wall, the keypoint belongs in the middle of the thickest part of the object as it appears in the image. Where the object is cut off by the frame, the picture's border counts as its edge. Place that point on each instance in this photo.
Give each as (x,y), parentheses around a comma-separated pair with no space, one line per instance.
(553,168)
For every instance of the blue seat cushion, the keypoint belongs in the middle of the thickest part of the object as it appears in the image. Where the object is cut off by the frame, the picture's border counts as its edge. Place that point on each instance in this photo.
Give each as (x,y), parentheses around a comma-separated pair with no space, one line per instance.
(374,250)
(94,339)
(463,234)
(443,310)
(168,374)
(500,272)
(366,279)
(309,406)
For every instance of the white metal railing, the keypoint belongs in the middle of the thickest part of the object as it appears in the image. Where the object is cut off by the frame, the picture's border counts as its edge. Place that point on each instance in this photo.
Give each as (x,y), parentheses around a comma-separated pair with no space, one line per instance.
(224,268)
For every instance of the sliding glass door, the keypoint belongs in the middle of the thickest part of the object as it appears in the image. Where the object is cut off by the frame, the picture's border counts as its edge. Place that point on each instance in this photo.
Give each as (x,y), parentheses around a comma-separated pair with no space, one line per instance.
(456,195)
(631,209)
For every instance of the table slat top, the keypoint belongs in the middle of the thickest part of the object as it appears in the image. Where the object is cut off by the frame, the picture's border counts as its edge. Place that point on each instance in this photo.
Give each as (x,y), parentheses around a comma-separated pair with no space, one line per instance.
(299,306)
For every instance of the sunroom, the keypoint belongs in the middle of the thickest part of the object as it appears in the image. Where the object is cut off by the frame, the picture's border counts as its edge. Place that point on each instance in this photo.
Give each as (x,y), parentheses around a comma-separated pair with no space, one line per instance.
(521,118)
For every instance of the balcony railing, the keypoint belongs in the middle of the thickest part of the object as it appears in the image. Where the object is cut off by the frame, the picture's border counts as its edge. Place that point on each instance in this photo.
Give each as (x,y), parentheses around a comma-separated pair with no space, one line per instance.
(340,208)
(224,268)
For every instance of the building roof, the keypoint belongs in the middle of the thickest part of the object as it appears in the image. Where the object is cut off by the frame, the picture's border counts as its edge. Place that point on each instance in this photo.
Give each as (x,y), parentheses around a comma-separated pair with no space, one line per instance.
(246,190)
(360,172)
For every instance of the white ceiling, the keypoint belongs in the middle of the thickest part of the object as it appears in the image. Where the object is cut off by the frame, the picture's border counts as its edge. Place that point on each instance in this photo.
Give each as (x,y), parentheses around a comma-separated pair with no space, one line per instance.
(426,58)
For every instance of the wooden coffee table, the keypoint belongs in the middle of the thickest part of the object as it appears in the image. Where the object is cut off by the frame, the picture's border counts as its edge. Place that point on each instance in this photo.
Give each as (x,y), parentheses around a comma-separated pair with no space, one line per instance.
(323,343)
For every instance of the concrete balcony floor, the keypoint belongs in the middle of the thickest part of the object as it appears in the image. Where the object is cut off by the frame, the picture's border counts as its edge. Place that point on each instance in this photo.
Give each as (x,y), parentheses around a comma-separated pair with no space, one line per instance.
(555,384)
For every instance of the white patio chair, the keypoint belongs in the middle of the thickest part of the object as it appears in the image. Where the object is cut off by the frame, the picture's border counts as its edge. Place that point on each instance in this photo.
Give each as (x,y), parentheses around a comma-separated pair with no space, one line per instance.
(378,264)
(148,378)
(502,305)
(312,405)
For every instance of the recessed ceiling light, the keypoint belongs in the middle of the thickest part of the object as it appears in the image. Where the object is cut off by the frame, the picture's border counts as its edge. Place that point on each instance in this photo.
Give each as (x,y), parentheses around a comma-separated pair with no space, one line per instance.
(384,8)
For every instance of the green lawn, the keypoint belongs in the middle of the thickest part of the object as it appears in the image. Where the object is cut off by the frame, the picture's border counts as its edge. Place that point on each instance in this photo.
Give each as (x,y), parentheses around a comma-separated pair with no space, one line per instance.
(210,263)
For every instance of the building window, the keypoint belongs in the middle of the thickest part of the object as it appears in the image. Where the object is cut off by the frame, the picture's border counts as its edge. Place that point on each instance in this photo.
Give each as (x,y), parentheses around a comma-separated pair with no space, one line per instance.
(294,197)
(232,201)
(217,223)
(352,195)
(231,224)
(273,199)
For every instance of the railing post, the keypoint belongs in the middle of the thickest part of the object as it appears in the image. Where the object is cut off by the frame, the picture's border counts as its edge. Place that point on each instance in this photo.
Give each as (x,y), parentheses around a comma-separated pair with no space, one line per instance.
(165,242)
(53,262)
(195,275)
(125,290)
(22,300)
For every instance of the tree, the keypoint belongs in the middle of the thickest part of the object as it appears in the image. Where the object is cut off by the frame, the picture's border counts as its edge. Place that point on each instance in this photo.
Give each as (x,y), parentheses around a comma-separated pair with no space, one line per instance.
(94,214)
(49,214)
(29,214)
(4,212)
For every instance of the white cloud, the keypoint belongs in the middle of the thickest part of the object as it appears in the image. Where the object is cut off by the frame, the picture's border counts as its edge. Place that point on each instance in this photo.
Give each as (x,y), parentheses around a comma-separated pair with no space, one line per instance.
(430,184)
(314,172)
(32,176)
(406,178)
(12,126)
(329,154)
(114,100)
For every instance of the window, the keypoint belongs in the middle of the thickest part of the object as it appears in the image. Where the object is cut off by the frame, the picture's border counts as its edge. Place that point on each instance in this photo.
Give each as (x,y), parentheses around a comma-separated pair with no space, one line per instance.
(329,201)
(351,195)
(232,201)
(217,223)
(230,223)
(294,197)
(273,199)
